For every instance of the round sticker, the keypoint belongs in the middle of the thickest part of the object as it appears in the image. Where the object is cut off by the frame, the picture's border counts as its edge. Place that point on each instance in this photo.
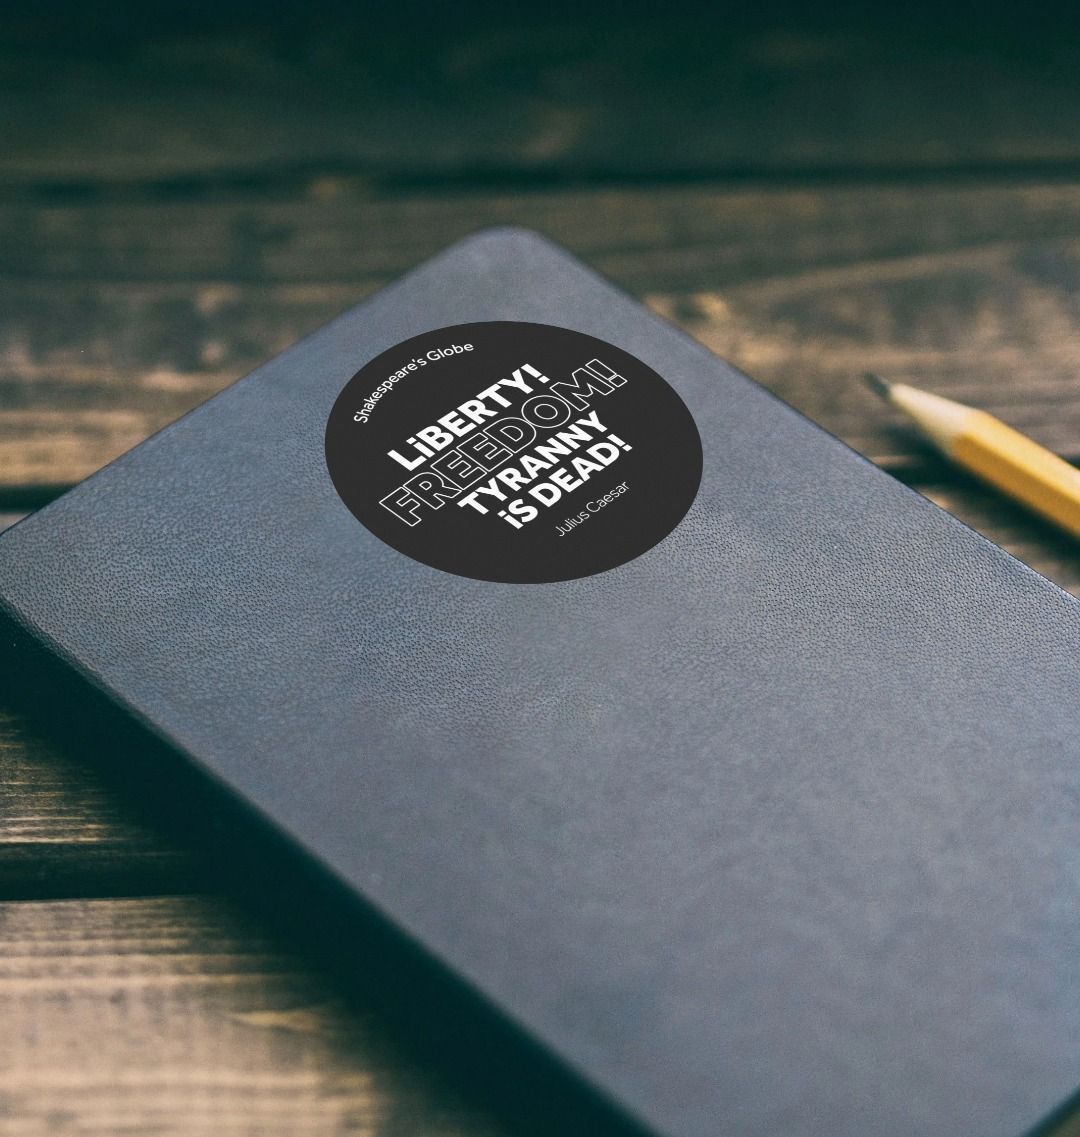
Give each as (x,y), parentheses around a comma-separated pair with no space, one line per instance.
(513,452)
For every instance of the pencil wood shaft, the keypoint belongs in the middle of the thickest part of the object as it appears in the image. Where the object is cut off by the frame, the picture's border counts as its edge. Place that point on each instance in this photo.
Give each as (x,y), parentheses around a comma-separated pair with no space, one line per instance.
(1021,468)
(997,453)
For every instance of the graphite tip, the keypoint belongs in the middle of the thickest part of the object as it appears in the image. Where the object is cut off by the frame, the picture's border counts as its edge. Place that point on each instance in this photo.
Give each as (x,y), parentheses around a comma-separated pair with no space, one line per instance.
(876,384)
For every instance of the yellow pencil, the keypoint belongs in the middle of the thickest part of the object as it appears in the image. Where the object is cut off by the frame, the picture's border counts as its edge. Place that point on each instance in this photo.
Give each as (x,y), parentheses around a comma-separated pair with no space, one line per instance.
(995,452)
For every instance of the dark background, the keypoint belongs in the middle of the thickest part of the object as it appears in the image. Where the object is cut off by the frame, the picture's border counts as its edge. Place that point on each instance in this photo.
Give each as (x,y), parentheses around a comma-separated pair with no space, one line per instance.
(185,98)
(812,191)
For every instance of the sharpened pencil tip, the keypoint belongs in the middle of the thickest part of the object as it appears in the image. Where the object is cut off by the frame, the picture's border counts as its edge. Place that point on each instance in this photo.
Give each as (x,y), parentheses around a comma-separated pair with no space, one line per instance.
(876,384)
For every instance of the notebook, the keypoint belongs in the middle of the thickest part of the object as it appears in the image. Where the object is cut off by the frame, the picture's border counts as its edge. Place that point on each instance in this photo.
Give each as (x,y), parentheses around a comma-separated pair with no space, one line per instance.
(726,770)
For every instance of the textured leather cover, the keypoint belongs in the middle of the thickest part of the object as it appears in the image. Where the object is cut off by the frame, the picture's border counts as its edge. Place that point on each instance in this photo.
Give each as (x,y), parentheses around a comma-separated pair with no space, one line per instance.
(774,829)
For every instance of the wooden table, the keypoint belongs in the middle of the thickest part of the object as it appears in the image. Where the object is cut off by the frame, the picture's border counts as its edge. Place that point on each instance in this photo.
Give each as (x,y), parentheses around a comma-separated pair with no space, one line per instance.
(174,208)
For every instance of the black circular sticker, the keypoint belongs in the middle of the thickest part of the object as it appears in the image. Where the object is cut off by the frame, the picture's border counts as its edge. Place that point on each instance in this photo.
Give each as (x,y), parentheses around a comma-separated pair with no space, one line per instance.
(513,452)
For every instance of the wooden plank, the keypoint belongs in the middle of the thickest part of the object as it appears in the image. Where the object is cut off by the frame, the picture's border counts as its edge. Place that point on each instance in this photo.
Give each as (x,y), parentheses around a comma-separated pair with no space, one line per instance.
(572,94)
(178,1016)
(653,238)
(113,321)
(64,832)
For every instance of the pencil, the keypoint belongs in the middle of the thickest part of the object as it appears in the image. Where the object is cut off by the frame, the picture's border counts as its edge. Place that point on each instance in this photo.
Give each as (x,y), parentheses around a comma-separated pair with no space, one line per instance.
(1004,457)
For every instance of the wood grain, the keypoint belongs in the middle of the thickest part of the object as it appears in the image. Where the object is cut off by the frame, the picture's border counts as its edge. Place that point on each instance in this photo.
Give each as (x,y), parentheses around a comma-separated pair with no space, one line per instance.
(176,1015)
(176,208)
(655,237)
(64,832)
(202,1026)
(115,320)
(575,94)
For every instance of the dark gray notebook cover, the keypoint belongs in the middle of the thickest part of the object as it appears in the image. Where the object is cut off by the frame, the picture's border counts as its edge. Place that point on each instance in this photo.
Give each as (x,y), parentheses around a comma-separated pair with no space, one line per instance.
(772,829)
